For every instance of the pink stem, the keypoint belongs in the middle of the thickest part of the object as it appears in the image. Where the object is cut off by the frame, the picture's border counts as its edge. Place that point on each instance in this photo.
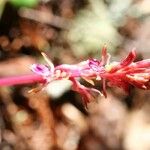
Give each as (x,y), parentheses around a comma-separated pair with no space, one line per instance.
(25,79)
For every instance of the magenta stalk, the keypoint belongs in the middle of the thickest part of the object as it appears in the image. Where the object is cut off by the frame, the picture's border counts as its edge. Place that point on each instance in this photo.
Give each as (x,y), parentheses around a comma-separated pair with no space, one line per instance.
(24,79)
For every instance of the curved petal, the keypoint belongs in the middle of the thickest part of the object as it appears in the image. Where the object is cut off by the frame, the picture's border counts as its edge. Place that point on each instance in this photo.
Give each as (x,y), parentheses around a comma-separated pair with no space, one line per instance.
(40,69)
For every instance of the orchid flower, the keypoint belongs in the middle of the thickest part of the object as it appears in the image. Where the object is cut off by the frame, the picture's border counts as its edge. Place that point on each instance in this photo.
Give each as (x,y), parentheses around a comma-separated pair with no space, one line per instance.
(72,73)
(122,74)
(126,73)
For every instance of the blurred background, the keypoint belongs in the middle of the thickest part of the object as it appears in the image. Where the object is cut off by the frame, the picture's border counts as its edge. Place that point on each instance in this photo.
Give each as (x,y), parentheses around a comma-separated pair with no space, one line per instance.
(70,31)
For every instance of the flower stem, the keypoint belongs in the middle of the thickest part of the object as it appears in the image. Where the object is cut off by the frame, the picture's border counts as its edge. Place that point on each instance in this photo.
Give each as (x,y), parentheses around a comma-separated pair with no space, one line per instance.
(18,80)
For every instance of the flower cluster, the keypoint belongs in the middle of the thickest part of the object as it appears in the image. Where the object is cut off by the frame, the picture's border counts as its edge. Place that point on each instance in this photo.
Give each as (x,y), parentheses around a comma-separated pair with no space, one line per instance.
(121,74)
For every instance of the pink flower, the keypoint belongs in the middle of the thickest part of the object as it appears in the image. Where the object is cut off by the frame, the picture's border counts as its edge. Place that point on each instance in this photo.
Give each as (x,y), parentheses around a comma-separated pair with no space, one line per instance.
(121,74)
(88,94)
(95,65)
(41,69)
(125,73)
(71,72)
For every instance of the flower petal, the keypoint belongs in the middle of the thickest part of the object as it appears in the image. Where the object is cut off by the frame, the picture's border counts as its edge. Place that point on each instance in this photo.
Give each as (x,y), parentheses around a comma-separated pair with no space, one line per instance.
(51,65)
(129,59)
(105,56)
(88,94)
(40,69)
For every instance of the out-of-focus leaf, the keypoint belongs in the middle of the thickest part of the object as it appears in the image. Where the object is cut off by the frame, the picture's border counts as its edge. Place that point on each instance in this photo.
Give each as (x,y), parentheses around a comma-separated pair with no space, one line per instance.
(2,5)
(24,3)
(92,28)
(140,9)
